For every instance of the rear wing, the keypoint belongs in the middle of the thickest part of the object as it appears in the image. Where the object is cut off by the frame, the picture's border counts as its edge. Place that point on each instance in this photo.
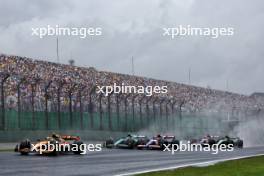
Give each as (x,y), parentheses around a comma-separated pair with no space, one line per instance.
(168,136)
(67,137)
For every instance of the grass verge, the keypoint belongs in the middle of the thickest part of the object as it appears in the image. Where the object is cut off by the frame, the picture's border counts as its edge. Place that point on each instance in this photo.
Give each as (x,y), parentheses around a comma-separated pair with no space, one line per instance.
(6,150)
(253,166)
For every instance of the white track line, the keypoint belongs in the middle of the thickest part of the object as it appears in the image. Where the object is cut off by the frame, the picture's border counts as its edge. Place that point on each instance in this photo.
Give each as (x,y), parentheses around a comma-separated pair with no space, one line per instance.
(187,165)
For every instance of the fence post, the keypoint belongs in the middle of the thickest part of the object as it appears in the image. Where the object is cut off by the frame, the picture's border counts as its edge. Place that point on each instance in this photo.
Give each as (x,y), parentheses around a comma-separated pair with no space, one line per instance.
(80,90)
(33,85)
(173,113)
(5,77)
(32,105)
(109,111)
(140,111)
(147,112)
(117,111)
(154,109)
(46,95)
(19,101)
(81,107)
(181,104)
(147,109)
(90,108)
(70,107)
(126,111)
(161,102)
(167,114)
(101,111)
(61,83)
(133,110)
(161,113)
(70,103)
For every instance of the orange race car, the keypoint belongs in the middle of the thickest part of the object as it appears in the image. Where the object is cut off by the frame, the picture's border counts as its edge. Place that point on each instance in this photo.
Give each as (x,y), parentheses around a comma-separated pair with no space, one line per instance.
(52,145)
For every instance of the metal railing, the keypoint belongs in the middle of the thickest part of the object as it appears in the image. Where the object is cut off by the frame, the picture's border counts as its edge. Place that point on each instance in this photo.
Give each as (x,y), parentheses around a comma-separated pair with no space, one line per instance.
(57,104)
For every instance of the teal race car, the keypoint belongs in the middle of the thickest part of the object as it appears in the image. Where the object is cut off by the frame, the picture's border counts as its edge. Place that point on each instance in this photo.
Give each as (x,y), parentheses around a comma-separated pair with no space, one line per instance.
(128,142)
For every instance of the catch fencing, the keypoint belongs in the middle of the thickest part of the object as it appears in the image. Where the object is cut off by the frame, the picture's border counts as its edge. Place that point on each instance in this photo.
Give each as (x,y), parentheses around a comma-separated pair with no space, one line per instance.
(31,104)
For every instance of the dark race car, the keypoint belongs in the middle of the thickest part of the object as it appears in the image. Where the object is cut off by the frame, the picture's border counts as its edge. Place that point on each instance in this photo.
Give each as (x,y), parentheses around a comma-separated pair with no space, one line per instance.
(159,142)
(208,140)
(129,142)
(235,141)
(216,140)
(52,145)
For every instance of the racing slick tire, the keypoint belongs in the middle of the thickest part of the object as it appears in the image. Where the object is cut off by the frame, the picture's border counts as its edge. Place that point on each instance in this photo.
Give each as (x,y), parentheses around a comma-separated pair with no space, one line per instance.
(176,144)
(79,150)
(54,152)
(131,144)
(227,143)
(240,144)
(161,144)
(211,142)
(24,147)
(16,148)
(109,143)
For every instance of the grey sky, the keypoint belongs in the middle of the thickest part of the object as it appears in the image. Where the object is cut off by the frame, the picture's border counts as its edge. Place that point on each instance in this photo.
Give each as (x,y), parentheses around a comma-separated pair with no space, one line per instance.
(134,28)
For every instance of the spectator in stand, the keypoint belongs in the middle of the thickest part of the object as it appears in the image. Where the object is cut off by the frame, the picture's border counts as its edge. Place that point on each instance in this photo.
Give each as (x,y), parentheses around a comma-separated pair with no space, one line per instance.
(33,76)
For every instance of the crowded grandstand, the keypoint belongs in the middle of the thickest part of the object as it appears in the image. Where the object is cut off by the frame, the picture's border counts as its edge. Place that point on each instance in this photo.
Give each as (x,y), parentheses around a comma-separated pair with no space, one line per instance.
(37,76)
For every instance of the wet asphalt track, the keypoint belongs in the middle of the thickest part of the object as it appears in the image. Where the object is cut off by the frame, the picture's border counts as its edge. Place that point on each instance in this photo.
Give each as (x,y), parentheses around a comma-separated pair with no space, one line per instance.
(107,162)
